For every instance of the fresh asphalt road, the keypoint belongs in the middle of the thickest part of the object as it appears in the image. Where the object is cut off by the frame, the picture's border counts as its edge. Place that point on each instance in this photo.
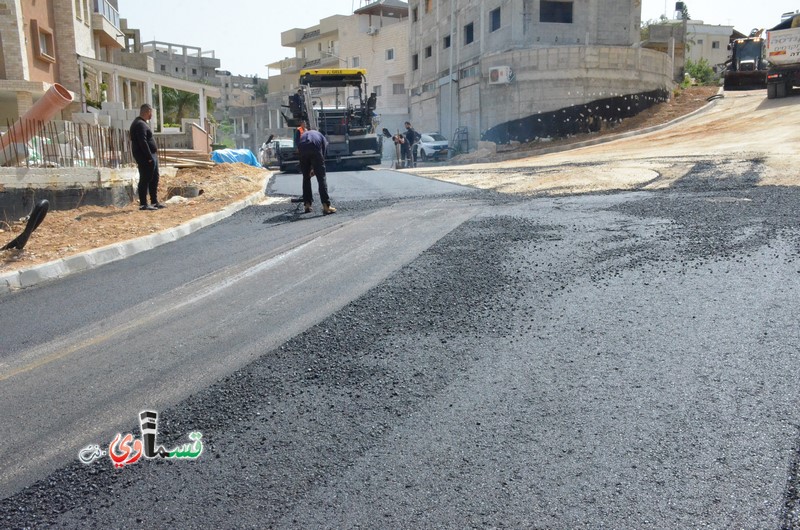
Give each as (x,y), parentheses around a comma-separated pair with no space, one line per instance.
(443,359)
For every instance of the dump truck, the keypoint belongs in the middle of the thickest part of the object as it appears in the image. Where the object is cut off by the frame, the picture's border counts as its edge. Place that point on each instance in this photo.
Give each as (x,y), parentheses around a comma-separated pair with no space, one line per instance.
(747,66)
(348,122)
(783,54)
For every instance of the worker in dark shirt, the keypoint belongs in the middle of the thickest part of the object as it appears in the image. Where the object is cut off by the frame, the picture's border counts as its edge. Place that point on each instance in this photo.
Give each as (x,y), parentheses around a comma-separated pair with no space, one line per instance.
(143,148)
(312,148)
(412,137)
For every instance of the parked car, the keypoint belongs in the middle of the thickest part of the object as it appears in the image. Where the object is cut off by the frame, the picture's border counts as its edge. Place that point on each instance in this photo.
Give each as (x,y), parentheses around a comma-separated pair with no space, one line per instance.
(268,153)
(431,146)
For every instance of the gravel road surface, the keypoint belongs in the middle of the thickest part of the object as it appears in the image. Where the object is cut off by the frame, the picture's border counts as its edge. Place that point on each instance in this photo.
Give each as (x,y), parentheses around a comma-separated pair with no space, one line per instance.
(603,360)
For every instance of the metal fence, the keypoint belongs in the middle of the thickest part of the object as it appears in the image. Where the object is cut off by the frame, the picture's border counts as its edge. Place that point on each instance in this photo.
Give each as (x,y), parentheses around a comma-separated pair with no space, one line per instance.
(66,144)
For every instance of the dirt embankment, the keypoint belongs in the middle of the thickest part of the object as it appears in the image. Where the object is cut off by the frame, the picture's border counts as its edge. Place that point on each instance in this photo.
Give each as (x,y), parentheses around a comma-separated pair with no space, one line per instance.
(67,232)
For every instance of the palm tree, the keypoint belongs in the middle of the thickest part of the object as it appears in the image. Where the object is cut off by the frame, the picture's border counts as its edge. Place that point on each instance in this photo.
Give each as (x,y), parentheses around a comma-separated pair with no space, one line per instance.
(178,104)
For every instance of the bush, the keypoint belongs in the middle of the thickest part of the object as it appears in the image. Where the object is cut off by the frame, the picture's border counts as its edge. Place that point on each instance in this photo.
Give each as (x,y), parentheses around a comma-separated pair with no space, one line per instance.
(701,72)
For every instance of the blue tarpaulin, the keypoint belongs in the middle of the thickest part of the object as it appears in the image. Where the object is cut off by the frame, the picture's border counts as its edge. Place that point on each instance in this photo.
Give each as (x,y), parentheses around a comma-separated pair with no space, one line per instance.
(229,156)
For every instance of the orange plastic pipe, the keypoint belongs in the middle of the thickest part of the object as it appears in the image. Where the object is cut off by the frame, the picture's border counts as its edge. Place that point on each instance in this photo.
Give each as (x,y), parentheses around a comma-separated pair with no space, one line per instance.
(55,99)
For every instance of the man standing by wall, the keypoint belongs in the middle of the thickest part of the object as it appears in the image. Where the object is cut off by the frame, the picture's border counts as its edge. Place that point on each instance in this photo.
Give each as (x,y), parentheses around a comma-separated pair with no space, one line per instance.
(313,147)
(143,147)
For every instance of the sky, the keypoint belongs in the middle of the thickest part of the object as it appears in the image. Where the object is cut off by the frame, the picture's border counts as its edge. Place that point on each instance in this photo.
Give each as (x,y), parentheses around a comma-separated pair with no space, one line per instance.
(246,34)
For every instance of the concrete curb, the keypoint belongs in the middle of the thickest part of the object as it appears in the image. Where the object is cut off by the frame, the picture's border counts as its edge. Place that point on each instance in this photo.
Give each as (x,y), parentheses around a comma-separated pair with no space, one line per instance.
(24,278)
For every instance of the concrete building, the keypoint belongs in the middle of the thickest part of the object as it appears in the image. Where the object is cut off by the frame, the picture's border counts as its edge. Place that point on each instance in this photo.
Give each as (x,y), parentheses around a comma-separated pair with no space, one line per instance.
(498,69)
(691,40)
(40,41)
(709,42)
(242,105)
(374,37)
(84,46)
(184,62)
(669,37)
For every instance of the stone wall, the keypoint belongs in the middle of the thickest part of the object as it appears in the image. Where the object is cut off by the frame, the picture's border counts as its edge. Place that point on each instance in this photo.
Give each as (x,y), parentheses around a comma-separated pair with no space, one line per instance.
(15,57)
(549,79)
(20,188)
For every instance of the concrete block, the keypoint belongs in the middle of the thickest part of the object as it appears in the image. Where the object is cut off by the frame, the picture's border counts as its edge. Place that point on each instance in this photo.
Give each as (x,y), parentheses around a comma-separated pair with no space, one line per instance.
(79,262)
(47,271)
(89,118)
(9,282)
(112,106)
(104,120)
(107,254)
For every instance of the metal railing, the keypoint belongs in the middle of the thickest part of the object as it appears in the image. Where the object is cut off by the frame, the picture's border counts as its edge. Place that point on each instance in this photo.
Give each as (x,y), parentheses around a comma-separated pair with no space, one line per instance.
(67,144)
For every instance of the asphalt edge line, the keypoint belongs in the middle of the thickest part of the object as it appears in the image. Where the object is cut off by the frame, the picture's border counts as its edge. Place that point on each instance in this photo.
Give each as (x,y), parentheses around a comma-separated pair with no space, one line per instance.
(90,259)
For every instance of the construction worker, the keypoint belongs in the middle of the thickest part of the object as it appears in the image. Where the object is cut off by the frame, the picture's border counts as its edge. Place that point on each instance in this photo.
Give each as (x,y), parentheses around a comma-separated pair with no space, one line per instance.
(313,147)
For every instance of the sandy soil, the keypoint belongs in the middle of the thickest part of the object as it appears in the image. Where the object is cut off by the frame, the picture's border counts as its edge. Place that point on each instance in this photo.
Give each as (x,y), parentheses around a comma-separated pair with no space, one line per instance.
(739,131)
(736,126)
(67,232)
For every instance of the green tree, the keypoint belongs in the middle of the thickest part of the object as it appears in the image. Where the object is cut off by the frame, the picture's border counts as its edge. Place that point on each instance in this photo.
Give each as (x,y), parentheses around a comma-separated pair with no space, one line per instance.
(261,90)
(179,104)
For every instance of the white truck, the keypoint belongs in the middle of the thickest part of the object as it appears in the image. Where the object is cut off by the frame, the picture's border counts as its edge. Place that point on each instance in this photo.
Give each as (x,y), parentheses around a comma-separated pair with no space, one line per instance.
(783,53)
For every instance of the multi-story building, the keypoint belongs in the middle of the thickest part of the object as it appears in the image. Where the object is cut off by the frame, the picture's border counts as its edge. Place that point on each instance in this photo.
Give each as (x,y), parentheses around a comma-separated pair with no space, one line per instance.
(709,42)
(40,41)
(241,104)
(690,40)
(374,37)
(496,69)
(84,46)
(184,62)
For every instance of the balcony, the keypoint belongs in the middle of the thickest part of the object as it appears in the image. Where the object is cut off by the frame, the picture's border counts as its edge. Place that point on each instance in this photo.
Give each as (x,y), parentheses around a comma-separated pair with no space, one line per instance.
(105,24)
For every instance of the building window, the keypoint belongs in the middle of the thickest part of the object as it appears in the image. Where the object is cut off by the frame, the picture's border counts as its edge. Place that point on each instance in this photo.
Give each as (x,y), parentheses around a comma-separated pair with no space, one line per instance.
(554,11)
(398,89)
(377,90)
(414,14)
(471,71)
(319,46)
(194,71)
(469,33)
(428,5)
(428,51)
(714,44)
(699,42)
(42,43)
(415,62)
(176,69)
(446,42)
(356,62)
(390,54)
(494,19)
(163,67)
(78,10)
